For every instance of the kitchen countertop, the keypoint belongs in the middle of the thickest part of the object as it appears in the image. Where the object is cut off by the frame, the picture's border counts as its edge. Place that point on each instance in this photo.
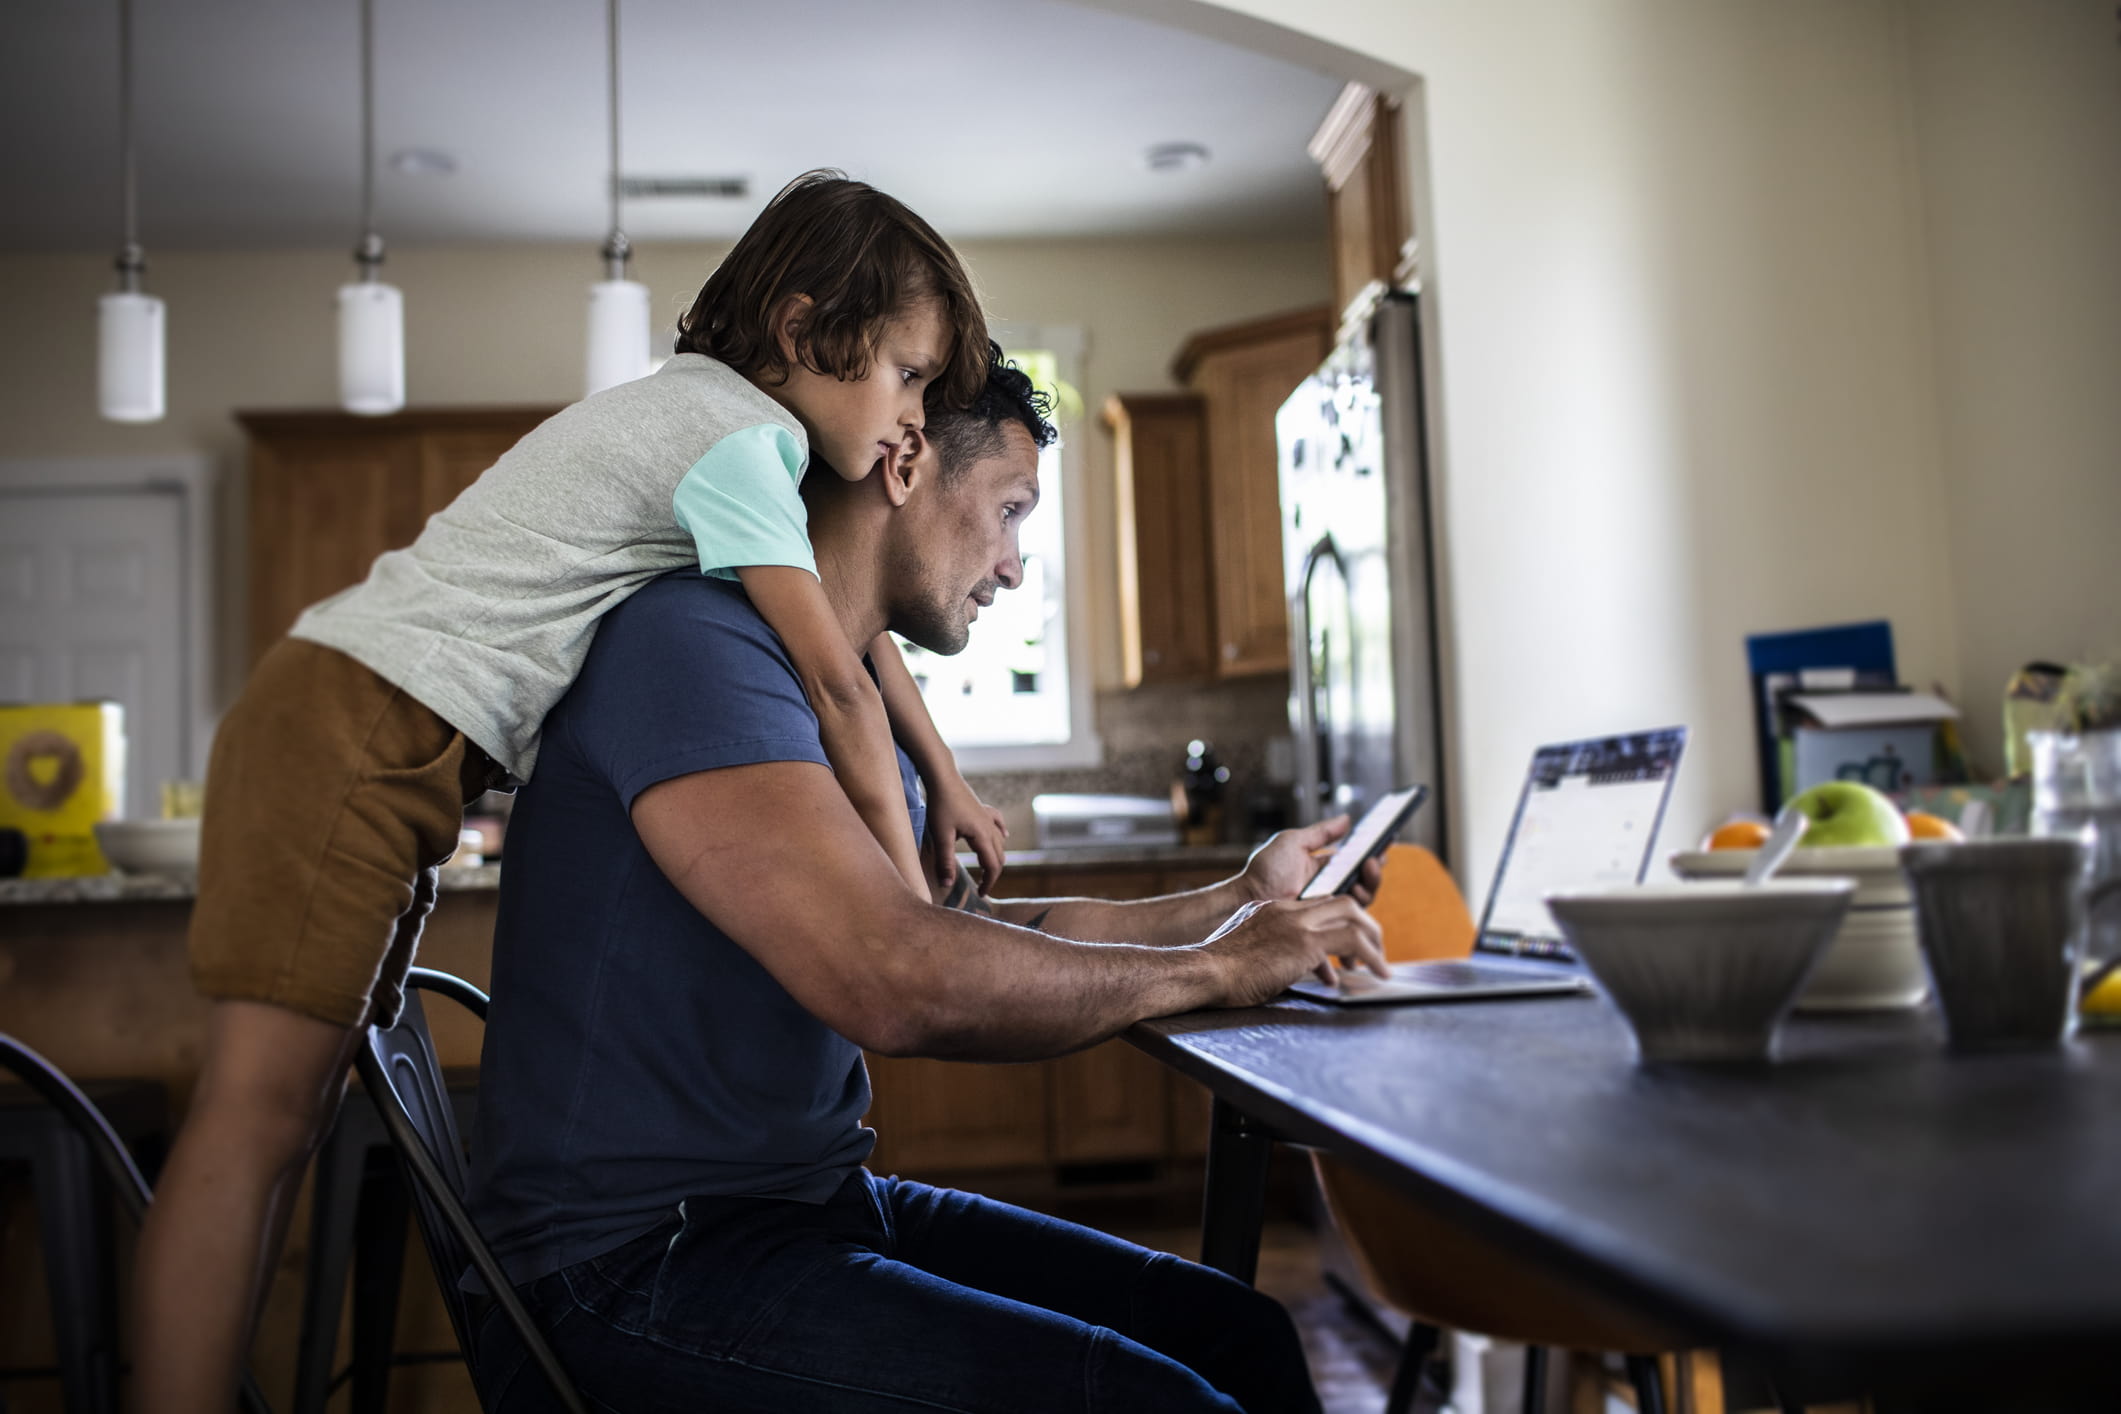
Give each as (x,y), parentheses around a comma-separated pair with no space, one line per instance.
(153,888)
(1170,856)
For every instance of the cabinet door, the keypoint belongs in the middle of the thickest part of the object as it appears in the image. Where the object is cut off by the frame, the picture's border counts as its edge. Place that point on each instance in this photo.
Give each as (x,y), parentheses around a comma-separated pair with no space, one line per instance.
(1108,1105)
(321,510)
(330,491)
(1109,1102)
(1357,148)
(1244,375)
(1166,603)
(451,461)
(945,1116)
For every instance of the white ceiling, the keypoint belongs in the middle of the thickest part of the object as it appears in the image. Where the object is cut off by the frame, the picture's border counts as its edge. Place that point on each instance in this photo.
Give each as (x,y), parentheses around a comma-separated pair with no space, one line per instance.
(993,118)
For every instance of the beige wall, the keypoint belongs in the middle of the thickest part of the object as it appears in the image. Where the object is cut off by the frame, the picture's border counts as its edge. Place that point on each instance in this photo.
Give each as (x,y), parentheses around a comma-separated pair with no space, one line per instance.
(1685,390)
(2018,121)
(504,324)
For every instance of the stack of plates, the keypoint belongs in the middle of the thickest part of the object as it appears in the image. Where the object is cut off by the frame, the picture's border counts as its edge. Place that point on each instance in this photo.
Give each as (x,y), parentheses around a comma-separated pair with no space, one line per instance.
(1874,962)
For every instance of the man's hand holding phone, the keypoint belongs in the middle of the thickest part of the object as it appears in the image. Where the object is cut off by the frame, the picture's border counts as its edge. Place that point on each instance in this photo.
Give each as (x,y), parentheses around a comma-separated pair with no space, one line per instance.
(1282,866)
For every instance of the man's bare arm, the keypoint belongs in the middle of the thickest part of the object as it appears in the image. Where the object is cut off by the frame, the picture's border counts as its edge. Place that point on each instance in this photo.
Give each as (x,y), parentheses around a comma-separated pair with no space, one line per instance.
(1277,870)
(778,859)
(1172,920)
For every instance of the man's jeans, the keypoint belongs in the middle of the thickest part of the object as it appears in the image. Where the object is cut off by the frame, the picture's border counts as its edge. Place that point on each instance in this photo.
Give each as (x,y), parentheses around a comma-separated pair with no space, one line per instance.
(896,1296)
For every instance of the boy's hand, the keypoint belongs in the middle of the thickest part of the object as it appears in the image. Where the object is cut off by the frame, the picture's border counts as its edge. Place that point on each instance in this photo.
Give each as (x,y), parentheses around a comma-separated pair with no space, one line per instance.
(955,813)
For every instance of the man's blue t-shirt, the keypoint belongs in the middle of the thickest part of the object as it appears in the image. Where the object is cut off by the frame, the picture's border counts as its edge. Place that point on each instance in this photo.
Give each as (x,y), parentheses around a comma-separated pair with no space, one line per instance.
(635,1055)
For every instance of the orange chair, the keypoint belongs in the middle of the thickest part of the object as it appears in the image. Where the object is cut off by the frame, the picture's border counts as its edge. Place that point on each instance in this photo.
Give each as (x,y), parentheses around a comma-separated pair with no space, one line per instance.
(1420,909)
(1428,1267)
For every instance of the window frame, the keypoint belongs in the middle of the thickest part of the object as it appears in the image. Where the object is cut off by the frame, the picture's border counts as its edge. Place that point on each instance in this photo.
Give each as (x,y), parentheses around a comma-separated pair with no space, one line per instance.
(1083,747)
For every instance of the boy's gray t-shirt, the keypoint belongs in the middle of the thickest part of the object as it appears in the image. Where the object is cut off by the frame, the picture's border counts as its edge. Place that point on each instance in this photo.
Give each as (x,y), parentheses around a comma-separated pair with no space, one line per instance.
(486,617)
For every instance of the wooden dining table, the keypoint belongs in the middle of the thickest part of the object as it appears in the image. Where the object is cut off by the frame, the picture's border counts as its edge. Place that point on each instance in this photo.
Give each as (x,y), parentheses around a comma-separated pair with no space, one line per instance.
(1868,1212)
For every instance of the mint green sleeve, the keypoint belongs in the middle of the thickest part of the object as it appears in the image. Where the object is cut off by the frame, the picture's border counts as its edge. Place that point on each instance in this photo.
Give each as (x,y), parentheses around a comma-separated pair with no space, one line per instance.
(740,506)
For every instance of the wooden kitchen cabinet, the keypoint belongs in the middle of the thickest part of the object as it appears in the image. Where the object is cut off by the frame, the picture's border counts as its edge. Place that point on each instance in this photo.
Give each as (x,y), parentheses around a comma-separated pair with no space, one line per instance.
(1160,461)
(330,491)
(1110,1105)
(1368,219)
(1243,374)
(1199,495)
(945,1116)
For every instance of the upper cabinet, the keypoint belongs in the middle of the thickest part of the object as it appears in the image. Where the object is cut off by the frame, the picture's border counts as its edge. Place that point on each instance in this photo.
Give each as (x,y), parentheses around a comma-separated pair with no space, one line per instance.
(1368,216)
(330,491)
(1166,583)
(1243,374)
(1199,492)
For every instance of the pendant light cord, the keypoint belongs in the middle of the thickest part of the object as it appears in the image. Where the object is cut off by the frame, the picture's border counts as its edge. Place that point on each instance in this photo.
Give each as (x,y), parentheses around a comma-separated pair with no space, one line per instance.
(370,251)
(132,261)
(617,249)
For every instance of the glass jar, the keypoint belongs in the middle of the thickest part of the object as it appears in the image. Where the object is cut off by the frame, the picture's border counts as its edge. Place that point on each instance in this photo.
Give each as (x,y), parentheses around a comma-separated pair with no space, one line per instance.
(2077,791)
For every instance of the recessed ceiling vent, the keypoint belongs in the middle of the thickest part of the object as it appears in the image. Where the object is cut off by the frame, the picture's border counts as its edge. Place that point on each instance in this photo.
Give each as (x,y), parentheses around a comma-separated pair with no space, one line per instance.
(634,188)
(1176,157)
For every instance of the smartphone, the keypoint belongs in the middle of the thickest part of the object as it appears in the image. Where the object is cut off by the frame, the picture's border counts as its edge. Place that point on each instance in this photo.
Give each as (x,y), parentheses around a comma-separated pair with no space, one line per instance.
(1377,828)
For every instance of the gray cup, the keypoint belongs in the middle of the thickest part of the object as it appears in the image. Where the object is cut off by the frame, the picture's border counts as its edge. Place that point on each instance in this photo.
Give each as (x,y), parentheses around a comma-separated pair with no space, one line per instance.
(2001,924)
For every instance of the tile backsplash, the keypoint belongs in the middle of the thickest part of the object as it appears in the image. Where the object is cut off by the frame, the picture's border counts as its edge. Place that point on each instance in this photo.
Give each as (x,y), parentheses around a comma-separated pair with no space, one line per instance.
(1145,731)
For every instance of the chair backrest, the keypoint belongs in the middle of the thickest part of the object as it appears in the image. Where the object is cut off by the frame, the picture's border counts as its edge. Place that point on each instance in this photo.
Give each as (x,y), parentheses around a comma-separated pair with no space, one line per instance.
(399,1070)
(63,1095)
(1420,909)
(116,1161)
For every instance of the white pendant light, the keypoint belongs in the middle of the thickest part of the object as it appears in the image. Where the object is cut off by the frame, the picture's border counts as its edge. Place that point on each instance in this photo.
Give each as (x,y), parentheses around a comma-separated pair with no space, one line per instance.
(371,313)
(618,307)
(129,325)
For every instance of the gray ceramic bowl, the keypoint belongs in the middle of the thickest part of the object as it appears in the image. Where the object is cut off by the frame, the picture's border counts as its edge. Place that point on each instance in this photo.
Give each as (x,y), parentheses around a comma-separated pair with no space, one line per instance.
(1703,972)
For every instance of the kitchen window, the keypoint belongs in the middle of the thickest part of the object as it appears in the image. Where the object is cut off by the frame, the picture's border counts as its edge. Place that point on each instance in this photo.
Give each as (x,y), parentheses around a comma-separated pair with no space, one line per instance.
(1018,697)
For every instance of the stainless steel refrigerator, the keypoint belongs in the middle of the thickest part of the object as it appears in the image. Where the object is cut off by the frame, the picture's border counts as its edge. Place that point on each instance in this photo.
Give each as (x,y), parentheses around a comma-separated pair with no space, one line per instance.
(1357,538)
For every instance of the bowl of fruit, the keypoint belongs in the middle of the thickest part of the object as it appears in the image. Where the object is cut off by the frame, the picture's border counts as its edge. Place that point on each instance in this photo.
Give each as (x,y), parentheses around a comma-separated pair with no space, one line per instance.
(1855,832)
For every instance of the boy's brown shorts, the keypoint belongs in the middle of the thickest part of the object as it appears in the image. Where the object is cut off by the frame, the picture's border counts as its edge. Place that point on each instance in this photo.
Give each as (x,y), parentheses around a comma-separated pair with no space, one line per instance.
(331,797)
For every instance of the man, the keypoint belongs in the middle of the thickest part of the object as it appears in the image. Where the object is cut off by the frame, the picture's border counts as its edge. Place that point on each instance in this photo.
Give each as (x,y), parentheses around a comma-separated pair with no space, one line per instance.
(697,935)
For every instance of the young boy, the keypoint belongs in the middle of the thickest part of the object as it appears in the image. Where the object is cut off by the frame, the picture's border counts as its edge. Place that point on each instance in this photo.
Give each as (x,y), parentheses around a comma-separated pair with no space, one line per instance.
(339,779)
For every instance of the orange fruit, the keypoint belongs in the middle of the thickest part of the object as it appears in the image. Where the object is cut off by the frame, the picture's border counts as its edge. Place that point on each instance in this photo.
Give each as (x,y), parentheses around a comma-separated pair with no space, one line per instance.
(1921,825)
(1738,834)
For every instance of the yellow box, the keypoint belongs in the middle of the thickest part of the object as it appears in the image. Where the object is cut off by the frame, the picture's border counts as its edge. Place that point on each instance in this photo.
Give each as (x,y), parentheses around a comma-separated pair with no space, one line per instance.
(62,768)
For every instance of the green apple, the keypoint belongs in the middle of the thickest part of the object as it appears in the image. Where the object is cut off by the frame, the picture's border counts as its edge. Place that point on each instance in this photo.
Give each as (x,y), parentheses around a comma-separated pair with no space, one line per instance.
(1848,813)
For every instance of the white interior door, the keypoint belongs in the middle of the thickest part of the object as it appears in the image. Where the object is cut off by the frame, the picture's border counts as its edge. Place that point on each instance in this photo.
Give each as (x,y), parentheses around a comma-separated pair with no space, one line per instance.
(93,605)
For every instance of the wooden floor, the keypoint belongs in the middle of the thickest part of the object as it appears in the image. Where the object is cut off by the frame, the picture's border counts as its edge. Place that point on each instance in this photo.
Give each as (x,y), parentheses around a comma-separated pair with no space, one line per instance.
(1353,1360)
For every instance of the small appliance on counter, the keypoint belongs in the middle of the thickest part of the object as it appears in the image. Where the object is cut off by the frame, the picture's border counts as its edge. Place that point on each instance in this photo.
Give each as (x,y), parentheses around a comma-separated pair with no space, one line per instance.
(1103,821)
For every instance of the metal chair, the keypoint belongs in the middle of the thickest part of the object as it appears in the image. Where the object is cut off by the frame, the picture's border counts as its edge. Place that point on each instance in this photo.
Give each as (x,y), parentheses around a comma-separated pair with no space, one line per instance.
(360,1211)
(67,1166)
(398,1068)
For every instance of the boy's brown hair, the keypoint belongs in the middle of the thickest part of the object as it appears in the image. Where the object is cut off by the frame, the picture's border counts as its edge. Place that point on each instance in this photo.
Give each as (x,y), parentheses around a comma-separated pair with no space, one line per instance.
(862,258)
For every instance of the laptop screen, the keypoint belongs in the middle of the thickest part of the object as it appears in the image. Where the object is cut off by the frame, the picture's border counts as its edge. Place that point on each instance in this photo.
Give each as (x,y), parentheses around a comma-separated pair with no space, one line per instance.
(1588,816)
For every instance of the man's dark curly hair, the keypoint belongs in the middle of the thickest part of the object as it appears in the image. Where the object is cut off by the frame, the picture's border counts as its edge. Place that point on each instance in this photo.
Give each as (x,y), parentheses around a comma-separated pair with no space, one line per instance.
(977,432)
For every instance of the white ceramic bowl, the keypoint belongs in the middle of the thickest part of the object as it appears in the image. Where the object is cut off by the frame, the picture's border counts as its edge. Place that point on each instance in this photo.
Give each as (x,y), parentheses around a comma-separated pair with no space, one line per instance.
(1703,972)
(1875,963)
(149,846)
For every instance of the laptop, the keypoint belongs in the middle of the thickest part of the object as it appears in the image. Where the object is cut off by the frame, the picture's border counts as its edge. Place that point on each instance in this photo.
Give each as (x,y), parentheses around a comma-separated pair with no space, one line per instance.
(1588,815)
